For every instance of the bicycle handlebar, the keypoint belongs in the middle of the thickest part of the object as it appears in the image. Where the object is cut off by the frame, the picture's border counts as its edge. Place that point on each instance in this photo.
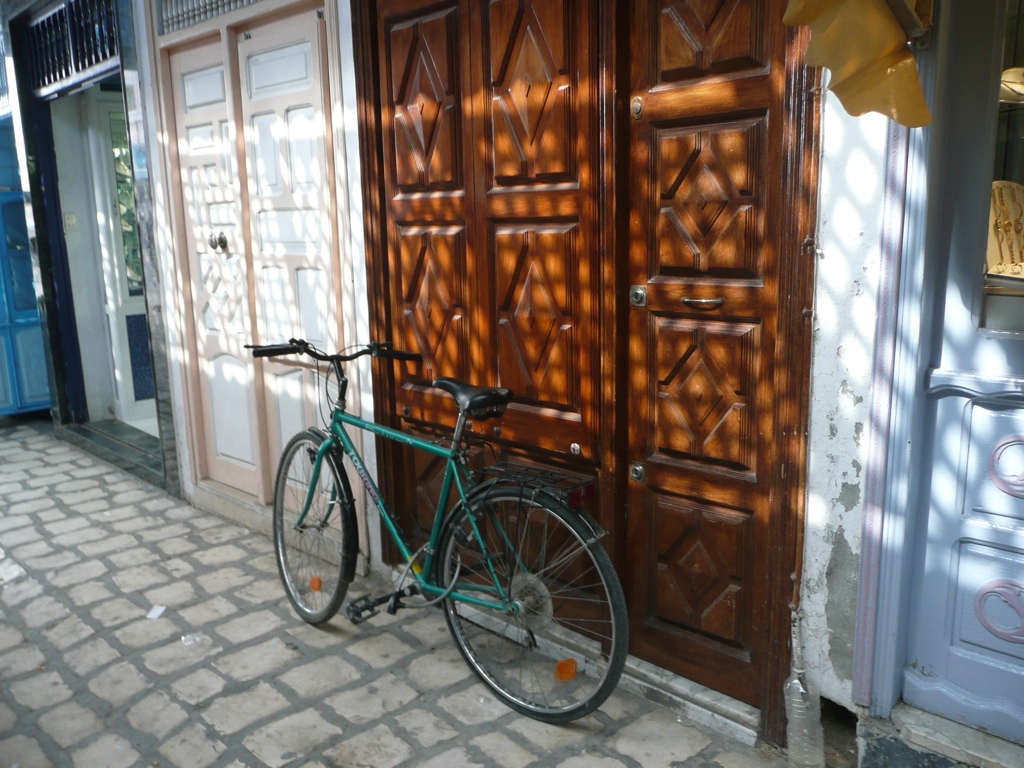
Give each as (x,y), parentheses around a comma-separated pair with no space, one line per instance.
(272,350)
(303,347)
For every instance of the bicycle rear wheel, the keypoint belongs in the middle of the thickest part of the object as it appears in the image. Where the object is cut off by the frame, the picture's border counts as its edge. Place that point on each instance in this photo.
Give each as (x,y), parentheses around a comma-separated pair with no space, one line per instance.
(559,655)
(309,553)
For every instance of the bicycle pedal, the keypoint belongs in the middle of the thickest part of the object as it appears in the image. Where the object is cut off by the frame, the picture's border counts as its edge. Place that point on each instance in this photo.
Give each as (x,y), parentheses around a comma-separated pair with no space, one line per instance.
(364,608)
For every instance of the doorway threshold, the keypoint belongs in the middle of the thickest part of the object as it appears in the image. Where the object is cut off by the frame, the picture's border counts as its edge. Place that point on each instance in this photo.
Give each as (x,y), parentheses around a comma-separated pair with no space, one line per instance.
(723,714)
(929,736)
(122,445)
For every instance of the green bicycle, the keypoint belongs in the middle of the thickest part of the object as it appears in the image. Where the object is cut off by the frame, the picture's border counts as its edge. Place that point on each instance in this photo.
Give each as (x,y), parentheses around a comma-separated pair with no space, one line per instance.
(528,592)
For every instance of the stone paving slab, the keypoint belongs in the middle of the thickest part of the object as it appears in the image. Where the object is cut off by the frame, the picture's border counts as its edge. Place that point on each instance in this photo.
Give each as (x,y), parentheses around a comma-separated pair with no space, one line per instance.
(227,675)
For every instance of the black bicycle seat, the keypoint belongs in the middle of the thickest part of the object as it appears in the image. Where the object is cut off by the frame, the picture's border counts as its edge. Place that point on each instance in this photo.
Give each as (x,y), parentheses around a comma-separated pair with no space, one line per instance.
(476,402)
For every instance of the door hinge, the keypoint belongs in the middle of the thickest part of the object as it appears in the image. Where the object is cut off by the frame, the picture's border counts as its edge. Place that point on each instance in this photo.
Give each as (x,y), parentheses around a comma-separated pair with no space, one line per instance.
(638,296)
(811,245)
(637,471)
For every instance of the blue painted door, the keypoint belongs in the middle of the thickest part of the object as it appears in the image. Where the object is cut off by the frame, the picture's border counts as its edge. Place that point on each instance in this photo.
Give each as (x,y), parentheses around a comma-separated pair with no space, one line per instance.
(23,381)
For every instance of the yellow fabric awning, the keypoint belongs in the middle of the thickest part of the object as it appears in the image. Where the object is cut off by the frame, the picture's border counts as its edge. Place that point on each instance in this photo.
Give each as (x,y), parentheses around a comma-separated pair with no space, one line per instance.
(865,48)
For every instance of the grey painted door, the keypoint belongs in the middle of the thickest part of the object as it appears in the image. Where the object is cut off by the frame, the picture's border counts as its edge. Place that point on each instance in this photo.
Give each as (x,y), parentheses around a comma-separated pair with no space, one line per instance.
(967,646)
(965,655)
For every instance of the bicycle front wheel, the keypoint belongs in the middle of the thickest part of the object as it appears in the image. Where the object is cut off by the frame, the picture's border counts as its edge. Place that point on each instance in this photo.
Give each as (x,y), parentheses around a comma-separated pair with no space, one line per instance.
(559,652)
(309,542)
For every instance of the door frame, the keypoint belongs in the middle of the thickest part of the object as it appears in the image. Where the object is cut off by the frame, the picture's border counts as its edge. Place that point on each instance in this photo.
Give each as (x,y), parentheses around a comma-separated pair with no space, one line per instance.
(101,107)
(34,132)
(612,236)
(793,369)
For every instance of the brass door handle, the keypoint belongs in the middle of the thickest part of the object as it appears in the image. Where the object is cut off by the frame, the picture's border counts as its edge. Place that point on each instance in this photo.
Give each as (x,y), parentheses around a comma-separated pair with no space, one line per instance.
(703,303)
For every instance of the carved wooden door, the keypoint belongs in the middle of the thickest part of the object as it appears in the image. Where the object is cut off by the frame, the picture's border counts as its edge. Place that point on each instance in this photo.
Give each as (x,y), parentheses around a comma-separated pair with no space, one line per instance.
(505,263)
(705,238)
(488,127)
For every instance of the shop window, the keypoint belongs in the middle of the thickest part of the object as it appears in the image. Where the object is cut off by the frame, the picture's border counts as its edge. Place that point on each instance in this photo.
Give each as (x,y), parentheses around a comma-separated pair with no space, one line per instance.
(1004,261)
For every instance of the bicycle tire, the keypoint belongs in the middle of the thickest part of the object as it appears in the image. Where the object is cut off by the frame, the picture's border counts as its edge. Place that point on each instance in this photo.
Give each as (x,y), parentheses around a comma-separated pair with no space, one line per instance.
(310,560)
(561,655)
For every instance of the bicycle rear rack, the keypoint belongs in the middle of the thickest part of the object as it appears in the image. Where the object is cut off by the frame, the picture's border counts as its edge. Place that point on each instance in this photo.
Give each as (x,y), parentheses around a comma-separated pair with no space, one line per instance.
(571,489)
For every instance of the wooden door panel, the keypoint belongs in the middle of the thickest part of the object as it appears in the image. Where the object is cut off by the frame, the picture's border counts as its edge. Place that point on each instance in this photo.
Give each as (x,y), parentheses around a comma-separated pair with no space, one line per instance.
(703,385)
(542,274)
(702,572)
(533,99)
(706,221)
(503,161)
(488,238)
(432,263)
(537,286)
(696,38)
(424,88)
(708,200)
(424,80)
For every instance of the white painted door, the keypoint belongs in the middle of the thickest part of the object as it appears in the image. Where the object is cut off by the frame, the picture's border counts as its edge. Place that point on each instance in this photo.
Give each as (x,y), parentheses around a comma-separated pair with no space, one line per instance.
(259,208)
(125,301)
(290,178)
(215,245)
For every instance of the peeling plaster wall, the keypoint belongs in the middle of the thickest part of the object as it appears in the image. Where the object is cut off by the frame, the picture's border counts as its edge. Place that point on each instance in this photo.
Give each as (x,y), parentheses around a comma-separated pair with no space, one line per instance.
(846,286)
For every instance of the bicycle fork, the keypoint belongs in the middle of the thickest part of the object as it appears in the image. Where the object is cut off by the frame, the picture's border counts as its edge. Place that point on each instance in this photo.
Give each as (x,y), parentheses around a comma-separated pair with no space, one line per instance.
(317,461)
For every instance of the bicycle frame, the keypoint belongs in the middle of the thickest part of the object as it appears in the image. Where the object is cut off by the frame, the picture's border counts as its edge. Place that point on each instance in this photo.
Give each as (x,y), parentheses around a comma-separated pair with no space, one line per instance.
(455,476)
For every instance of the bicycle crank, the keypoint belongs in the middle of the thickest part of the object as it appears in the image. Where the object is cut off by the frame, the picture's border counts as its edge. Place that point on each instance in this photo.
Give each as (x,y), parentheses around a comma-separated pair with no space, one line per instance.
(365,608)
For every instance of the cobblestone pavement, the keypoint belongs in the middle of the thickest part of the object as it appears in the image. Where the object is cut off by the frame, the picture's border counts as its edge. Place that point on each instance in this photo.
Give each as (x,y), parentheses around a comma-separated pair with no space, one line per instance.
(228,675)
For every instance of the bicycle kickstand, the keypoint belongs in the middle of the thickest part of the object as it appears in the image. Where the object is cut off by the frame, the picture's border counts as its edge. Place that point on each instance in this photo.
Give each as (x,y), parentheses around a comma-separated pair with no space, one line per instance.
(365,608)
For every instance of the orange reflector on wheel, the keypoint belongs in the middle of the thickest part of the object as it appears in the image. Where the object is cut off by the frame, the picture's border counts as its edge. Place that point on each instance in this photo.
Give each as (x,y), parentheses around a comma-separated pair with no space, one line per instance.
(315,584)
(565,670)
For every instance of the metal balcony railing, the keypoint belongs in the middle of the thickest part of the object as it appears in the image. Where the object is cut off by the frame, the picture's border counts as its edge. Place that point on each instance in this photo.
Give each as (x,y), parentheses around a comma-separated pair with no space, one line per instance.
(180,14)
(71,43)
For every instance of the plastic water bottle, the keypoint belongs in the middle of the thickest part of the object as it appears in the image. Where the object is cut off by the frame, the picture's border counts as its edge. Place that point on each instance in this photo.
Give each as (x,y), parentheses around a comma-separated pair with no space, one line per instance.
(804,735)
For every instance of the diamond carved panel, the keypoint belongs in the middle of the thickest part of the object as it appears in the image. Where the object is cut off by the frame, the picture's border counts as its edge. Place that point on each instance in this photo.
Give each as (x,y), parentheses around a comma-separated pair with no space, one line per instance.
(700,572)
(425,103)
(432,263)
(704,37)
(533,92)
(707,201)
(535,319)
(703,403)
(529,86)
(224,285)
(696,399)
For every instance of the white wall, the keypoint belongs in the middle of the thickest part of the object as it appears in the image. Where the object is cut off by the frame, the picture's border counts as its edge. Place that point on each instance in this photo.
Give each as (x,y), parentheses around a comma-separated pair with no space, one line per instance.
(355,299)
(846,287)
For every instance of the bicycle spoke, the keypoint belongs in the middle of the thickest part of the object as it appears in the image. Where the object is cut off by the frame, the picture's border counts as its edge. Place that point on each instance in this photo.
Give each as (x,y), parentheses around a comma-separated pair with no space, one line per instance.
(559,655)
(309,554)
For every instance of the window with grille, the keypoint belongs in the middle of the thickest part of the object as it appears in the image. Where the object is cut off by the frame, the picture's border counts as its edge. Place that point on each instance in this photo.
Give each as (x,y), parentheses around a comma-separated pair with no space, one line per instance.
(70,44)
(180,14)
